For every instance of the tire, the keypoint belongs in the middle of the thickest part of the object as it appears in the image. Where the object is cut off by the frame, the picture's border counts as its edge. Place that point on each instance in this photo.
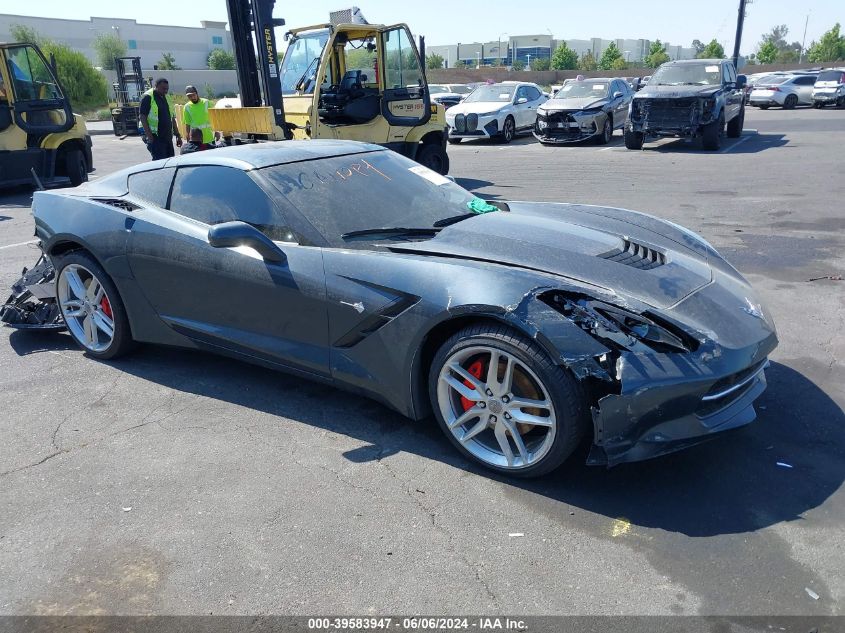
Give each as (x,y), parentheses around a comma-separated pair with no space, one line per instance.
(763,107)
(87,317)
(736,125)
(433,156)
(840,102)
(634,140)
(790,102)
(711,135)
(536,443)
(508,130)
(606,132)
(455,141)
(76,168)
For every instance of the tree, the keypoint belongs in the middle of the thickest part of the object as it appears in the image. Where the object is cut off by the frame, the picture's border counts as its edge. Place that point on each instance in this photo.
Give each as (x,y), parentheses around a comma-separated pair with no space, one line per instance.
(23,34)
(767,53)
(218,59)
(587,62)
(713,50)
(540,63)
(657,54)
(609,57)
(777,36)
(108,46)
(433,61)
(564,58)
(167,62)
(830,48)
(698,45)
(619,64)
(518,65)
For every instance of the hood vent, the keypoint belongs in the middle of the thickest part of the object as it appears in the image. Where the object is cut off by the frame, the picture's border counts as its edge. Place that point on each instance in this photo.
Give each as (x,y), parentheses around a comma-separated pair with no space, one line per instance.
(120,203)
(636,256)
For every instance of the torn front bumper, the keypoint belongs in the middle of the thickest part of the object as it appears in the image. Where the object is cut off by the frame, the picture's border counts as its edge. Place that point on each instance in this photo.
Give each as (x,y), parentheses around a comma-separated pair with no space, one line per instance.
(32,304)
(567,126)
(669,117)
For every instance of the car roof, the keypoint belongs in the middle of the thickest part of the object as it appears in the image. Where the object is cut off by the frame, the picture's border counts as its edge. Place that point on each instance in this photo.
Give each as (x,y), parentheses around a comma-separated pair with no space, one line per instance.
(682,62)
(257,155)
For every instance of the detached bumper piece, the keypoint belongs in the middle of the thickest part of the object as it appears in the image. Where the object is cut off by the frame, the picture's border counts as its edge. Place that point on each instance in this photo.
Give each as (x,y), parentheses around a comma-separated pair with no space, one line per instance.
(32,304)
(565,127)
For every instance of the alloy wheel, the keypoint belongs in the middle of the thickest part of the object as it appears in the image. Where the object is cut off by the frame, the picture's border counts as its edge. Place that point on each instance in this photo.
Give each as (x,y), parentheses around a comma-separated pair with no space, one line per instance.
(496,407)
(85,307)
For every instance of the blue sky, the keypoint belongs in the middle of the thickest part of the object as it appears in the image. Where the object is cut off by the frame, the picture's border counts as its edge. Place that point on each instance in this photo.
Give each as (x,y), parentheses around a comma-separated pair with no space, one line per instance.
(676,21)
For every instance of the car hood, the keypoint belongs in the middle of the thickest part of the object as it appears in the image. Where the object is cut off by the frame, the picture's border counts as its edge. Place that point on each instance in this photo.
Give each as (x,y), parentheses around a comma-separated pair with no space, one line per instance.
(573,103)
(577,242)
(664,92)
(477,107)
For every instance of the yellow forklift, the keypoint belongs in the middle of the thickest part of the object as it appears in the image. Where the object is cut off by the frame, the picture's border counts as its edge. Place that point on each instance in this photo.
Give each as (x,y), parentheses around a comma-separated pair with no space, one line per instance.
(41,140)
(346,79)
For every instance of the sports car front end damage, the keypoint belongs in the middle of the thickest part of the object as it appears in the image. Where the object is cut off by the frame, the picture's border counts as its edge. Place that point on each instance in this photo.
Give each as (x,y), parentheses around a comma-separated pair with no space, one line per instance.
(568,126)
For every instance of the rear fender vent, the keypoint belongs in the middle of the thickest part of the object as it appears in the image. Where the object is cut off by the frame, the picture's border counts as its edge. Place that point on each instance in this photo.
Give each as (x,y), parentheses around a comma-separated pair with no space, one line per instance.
(120,203)
(636,256)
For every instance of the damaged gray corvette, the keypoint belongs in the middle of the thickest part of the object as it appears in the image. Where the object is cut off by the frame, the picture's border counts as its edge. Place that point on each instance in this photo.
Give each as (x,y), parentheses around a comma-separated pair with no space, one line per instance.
(522,327)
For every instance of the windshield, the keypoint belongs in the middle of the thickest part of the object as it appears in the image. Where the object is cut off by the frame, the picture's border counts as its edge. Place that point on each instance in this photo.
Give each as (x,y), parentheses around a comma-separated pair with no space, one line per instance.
(371,190)
(302,58)
(687,74)
(835,76)
(496,92)
(773,80)
(583,89)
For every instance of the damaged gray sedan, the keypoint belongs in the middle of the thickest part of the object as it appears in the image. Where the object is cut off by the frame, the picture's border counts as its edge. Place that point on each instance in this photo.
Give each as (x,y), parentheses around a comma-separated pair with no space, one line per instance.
(522,327)
(581,110)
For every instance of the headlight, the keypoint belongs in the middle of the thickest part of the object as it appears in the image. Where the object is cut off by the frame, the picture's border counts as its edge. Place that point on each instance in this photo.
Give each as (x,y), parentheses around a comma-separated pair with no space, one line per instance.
(493,113)
(620,328)
(708,104)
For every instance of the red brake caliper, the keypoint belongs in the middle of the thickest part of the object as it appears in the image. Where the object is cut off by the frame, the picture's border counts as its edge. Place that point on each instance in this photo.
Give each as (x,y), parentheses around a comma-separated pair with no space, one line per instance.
(106,306)
(476,369)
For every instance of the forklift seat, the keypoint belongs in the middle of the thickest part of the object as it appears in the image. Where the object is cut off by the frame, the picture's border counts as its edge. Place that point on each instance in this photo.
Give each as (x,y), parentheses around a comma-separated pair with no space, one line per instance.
(349,101)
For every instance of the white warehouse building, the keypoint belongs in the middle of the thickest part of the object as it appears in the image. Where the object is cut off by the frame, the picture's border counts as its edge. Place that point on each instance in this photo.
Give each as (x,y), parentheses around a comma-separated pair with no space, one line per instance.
(189,46)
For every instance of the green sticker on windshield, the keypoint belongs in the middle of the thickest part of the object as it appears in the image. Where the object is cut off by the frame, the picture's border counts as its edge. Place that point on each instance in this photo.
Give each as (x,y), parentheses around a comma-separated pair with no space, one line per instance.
(478,205)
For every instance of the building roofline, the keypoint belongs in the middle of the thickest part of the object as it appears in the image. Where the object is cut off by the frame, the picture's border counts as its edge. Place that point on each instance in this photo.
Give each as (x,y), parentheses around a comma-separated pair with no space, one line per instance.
(99,17)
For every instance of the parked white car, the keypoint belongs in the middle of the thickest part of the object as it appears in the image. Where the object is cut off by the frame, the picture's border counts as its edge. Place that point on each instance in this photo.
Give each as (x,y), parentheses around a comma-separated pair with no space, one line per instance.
(500,111)
(786,91)
(829,88)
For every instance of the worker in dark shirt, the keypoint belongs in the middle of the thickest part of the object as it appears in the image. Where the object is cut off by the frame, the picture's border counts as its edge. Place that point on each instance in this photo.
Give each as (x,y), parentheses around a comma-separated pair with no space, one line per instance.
(158,118)
(195,143)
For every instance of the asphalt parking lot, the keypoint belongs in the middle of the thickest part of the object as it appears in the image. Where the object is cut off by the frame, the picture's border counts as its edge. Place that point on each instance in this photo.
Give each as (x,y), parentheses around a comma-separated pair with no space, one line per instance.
(175,482)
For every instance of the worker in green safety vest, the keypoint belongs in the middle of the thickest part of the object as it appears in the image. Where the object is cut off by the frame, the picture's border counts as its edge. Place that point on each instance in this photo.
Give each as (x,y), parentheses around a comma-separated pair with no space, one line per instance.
(159,121)
(195,115)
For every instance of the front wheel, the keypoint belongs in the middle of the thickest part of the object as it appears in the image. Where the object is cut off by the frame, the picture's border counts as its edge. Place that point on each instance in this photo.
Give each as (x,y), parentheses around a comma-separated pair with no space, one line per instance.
(711,135)
(634,140)
(91,306)
(76,168)
(736,125)
(790,102)
(508,130)
(503,403)
(433,156)
(763,107)
(606,132)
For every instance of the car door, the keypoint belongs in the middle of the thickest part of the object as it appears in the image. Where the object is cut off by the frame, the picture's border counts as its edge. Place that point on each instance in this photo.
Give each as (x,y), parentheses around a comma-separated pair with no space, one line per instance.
(620,104)
(804,88)
(733,96)
(229,298)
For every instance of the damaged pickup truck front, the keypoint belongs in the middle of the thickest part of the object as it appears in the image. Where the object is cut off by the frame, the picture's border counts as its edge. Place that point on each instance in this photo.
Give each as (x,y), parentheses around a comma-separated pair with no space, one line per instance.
(696,98)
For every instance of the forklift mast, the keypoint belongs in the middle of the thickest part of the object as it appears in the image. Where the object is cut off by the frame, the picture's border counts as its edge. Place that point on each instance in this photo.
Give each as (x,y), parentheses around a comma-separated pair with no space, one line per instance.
(256,57)
(130,83)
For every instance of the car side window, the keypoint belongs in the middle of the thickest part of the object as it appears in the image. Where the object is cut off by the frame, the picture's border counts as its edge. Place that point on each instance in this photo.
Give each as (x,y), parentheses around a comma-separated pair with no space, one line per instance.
(213,194)
(520,94)
(152,186)
(807,80)
(726,74)
(533,93)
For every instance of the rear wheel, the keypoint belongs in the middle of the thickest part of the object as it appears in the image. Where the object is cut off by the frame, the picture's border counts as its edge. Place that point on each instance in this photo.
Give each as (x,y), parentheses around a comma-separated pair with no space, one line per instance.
(736,125)
(508,130)
(634,140)
(433,156)
(606,132)
(711,135)
(503,403)
(91,306)
(790,102)
(76,168)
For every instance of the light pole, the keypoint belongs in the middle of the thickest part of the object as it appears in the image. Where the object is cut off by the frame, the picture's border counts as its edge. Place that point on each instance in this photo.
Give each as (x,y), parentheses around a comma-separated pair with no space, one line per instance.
(528,65)
(478,60)
(804,39)
(502,59)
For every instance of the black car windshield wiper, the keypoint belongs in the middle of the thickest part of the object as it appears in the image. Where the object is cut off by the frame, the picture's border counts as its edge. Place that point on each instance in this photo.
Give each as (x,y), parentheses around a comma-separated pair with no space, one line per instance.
(391,230)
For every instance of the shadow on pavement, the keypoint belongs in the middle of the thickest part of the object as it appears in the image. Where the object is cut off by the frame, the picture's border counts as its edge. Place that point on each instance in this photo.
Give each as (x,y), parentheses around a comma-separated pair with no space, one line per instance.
(731,484)
(749,143)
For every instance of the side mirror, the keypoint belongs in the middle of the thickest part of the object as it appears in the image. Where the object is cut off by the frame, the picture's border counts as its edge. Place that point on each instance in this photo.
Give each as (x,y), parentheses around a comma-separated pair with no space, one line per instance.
(617,94)
(741,82)
(237,233)
(522,100)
